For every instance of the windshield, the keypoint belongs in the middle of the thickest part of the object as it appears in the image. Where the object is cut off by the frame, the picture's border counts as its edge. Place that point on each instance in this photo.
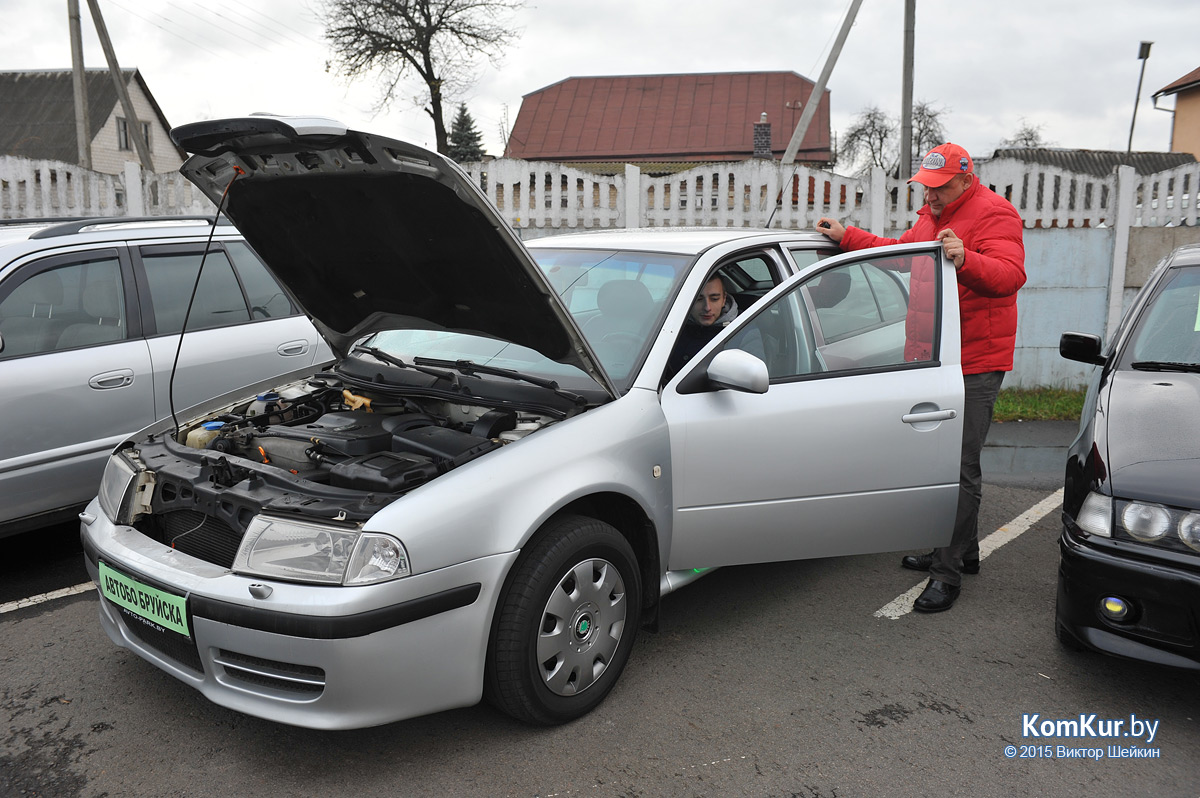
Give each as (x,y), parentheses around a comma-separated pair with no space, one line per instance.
(618,299)
(1168,328)
(449,345)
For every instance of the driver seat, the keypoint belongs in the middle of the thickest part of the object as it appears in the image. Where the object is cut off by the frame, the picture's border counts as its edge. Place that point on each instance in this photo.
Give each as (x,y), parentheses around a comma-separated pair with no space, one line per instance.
(626,308)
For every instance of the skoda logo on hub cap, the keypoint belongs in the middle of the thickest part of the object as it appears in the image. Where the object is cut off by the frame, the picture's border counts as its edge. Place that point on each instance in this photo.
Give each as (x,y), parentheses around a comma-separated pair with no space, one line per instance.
(583,626)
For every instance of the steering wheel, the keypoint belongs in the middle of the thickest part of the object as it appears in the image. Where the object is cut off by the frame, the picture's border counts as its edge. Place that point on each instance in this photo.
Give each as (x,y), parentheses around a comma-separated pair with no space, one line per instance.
(619,337)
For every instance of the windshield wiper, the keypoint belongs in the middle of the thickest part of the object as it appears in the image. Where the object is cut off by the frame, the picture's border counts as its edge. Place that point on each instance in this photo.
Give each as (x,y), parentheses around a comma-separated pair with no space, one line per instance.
(398,363)
(1160,365)
(471,368)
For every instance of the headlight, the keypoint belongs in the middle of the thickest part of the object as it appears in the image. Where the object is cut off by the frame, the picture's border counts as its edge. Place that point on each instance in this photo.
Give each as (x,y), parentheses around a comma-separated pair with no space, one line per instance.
(1189,531)
(301,551)
(1095,516)
(116,489)
(1146,522)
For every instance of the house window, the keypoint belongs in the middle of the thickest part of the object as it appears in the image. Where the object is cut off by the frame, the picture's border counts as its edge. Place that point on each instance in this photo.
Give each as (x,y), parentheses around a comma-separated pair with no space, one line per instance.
(123,140)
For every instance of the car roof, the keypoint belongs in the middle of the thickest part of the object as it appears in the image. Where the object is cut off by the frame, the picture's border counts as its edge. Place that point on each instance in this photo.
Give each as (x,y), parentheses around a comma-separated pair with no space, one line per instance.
(1186,255)
(676,240)
(106,228)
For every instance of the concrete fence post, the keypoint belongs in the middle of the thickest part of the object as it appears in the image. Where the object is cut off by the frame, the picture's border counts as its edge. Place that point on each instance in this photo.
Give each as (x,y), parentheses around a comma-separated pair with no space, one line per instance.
(879,202)
(135,204)
(633,196)
(1126,182)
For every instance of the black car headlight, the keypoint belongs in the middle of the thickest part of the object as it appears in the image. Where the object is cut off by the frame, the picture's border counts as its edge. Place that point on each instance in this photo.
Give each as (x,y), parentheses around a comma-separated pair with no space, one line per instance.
(303,551)
(1149,523)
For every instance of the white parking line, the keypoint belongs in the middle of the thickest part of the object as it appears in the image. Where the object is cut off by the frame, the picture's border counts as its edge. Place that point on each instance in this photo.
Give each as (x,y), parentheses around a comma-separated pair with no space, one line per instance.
(54,594)
(902,605)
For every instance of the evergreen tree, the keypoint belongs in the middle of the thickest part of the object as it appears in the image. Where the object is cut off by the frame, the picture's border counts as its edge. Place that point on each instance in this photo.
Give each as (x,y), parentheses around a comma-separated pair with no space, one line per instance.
(465,141)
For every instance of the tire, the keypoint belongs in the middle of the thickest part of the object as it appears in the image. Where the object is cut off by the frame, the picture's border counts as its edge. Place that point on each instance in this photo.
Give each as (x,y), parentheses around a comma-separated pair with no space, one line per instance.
(565,624)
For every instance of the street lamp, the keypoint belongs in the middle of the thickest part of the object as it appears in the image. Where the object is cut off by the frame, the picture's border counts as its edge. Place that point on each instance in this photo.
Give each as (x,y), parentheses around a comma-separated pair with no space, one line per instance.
(1143,54)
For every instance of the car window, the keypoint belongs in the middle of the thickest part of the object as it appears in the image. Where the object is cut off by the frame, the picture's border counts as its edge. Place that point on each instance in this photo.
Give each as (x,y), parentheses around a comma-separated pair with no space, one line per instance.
(81,303)
(618,299)
(171,275)
(267,299)
(1168,329)
(807,257)
(851,317)
(757,269)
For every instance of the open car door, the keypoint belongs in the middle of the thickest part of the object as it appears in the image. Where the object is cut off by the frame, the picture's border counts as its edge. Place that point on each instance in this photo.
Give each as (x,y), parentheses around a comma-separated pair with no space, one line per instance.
(841,435)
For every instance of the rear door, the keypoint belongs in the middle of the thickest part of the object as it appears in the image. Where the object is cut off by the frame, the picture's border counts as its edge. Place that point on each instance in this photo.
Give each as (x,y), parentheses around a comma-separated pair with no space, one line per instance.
(854,447)
(242,327)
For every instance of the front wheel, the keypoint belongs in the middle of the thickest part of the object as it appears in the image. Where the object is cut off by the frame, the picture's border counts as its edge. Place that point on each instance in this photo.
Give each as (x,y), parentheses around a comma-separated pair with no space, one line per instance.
(565,624)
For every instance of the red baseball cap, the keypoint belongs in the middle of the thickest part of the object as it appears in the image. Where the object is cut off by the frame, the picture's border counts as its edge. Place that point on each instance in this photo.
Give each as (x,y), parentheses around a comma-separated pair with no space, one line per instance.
(942,163)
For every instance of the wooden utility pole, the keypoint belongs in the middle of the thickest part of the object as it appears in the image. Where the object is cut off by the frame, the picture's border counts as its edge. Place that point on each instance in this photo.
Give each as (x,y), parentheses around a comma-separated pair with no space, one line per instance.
(132,127)
(83,128)
(906,90)
(814,99)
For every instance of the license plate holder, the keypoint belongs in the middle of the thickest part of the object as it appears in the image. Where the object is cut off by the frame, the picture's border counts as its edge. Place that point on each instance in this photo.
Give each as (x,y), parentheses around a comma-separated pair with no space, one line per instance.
(160,609)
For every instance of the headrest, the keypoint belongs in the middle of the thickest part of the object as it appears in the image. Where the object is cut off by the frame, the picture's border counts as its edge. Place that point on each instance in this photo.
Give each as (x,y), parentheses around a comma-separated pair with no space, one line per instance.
(36,293)
(626,298)
(101,299)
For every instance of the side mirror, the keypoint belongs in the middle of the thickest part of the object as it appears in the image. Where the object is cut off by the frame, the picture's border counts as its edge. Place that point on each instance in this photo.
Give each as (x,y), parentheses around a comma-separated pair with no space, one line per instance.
(739,371)
(1,343)
(1082,347)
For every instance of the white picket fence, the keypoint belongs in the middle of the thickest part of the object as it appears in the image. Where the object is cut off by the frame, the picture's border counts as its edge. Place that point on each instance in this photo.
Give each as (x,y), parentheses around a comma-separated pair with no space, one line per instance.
(51,189)
(540,198)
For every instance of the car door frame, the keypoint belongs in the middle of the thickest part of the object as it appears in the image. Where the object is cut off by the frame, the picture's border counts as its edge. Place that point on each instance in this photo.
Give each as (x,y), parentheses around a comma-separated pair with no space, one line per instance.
(728,531)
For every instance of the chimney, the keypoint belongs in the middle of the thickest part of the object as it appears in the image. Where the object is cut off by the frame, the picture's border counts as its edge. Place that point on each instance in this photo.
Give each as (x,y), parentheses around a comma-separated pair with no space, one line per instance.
(762,138)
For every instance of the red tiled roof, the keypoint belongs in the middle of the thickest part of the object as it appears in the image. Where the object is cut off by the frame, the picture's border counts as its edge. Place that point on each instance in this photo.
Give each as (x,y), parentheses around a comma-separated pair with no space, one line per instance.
(1189,81)
(696,117)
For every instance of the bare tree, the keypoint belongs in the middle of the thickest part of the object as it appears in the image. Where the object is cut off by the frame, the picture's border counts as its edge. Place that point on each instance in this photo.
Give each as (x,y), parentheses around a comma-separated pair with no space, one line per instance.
(438,40)
(868,142)
(874,138)
(928,130)
(1028,136)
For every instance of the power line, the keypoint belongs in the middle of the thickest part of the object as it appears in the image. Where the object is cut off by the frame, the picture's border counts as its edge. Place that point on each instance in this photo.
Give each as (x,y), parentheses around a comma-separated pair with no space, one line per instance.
(163,29)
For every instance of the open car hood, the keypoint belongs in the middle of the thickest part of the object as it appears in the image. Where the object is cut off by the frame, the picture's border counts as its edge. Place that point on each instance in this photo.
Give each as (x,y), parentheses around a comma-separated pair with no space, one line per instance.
(372,234)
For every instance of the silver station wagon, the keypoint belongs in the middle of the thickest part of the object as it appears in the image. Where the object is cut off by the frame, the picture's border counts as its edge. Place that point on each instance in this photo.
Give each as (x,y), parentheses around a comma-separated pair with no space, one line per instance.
(90,318)
(505,470)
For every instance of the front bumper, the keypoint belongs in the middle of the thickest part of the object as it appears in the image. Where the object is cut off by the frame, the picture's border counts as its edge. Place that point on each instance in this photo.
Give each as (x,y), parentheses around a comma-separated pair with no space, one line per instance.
(1163,626)
(313,656)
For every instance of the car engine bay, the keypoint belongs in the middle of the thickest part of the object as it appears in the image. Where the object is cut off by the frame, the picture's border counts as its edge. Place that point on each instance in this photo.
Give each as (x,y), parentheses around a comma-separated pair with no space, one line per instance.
(313,448)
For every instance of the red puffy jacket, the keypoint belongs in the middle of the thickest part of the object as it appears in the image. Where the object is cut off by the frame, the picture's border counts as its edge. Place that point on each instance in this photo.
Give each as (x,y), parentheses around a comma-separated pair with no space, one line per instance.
(992,272)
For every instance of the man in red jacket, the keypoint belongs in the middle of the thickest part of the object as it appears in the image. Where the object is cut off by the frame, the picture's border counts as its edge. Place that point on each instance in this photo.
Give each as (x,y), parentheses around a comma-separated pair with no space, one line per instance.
(980,232)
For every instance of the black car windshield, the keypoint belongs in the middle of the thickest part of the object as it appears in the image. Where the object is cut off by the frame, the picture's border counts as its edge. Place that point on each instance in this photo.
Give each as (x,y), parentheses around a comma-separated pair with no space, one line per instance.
(619,299)
(1167,335)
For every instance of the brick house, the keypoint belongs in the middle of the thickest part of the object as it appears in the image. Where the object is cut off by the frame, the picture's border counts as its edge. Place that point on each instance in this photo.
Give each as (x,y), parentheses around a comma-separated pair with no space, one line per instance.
(666,120)
(37,120)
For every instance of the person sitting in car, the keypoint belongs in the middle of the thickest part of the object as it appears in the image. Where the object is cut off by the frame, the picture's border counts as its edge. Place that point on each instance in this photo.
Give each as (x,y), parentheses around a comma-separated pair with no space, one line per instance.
(713,309)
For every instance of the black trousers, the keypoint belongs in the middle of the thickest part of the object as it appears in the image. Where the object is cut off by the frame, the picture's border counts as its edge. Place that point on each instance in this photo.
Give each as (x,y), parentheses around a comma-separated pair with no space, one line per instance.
(980,397)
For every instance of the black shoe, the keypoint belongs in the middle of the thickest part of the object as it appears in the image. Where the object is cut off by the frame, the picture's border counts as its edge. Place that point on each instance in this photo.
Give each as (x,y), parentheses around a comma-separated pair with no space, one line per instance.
(922,562)
(936,597)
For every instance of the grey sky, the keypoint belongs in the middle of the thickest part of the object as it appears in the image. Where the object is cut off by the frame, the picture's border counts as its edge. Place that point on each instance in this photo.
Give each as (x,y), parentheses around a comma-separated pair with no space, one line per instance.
(1069,66)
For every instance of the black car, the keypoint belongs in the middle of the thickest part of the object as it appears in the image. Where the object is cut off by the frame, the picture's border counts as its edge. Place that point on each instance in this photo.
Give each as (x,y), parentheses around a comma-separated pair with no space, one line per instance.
(1129,576)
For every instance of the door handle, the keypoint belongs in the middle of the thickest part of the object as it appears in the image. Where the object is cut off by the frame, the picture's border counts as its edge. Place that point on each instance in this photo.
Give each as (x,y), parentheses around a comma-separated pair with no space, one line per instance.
(293,348)
(930,415)
(112,379)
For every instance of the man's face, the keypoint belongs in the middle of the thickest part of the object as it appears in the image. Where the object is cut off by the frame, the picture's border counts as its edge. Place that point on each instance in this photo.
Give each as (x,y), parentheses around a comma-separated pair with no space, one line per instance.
(938,198)
(709,302)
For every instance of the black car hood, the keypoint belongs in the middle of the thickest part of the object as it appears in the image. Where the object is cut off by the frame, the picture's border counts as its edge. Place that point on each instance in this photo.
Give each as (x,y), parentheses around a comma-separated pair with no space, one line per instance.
(1153,438)
(372,234)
